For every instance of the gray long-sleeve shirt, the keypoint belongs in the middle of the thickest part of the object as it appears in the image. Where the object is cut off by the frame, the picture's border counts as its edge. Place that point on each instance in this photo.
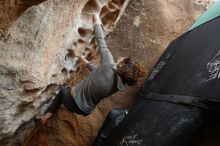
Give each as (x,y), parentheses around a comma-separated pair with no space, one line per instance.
(102,81)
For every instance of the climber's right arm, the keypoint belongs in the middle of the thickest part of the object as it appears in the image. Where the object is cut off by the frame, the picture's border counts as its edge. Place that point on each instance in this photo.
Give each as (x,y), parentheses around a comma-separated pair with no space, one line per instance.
(89,65)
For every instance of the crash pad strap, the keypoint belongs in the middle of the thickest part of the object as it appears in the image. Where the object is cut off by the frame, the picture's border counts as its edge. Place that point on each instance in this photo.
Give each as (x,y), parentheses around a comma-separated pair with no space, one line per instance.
(204,103)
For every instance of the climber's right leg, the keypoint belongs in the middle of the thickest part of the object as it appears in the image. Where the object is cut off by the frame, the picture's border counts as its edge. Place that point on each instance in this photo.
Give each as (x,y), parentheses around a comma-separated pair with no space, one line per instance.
(56,102)
(70,104)
(54,106)
(63,97)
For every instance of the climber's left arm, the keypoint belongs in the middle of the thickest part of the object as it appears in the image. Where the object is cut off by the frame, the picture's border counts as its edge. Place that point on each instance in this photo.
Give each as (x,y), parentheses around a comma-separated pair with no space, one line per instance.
(106,56)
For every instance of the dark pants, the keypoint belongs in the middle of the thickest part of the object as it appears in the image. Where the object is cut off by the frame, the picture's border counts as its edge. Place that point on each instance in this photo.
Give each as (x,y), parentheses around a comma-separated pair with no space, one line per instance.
(64,97)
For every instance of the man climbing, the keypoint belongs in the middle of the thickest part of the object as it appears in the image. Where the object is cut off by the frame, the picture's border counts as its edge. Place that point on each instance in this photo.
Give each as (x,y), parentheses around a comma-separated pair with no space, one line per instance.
(103,81)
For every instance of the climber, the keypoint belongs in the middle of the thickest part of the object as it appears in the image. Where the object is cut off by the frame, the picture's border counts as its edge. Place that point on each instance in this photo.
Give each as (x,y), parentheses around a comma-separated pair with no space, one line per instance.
(103,81)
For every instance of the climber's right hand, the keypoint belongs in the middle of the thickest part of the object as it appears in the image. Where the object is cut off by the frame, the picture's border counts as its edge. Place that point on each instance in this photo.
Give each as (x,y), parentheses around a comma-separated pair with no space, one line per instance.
(83,59)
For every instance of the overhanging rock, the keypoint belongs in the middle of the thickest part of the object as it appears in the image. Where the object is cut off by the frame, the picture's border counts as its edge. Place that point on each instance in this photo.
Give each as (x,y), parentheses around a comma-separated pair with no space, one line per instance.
(39,52)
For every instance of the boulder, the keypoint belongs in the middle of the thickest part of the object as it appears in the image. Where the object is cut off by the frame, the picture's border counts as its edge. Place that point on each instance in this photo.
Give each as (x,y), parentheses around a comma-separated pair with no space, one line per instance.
(40,45)
(41,42)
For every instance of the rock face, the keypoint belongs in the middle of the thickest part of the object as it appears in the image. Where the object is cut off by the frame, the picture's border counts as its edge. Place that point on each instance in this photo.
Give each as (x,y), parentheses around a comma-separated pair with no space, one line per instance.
(39,51)
(40,43)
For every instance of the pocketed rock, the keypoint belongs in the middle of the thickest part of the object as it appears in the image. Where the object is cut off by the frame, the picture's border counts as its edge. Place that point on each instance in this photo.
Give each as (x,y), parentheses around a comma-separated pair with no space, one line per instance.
(40,43)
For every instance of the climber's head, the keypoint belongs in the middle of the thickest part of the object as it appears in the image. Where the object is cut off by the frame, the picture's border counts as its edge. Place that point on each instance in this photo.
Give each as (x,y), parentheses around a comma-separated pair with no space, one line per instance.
(128,71)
